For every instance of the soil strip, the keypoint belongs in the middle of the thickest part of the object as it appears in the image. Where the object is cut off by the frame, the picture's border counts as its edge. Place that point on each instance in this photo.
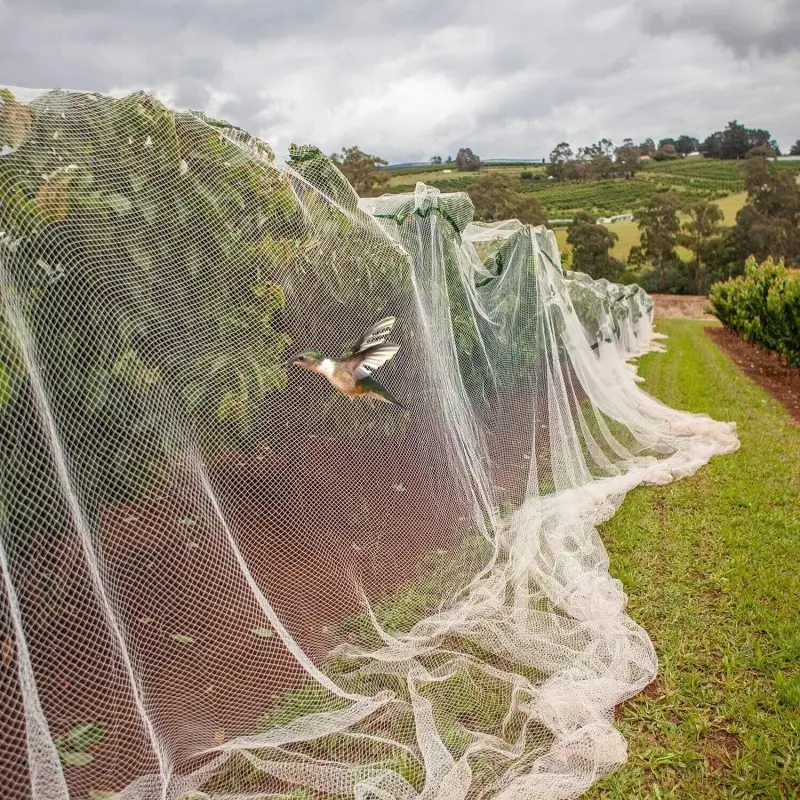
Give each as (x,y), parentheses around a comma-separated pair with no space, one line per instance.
(767,368)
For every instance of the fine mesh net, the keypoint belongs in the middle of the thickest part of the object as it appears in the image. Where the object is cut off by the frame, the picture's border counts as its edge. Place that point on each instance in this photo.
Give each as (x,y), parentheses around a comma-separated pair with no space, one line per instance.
(230,569)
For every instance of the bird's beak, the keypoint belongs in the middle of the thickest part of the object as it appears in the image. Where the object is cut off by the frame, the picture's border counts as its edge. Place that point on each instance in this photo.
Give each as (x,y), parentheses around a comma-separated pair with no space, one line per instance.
(290,361)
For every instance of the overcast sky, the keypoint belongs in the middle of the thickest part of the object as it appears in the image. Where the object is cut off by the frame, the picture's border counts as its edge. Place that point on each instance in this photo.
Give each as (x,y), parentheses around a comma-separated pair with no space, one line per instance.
(408,79)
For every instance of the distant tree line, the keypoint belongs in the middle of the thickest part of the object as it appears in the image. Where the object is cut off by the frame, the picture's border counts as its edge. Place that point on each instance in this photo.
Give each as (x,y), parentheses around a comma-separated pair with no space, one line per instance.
(465,161)
(736,141)
(595,162)
(603,160)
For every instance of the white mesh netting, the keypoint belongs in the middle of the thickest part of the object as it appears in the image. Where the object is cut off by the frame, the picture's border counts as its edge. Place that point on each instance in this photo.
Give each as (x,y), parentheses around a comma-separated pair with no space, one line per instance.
(227,571)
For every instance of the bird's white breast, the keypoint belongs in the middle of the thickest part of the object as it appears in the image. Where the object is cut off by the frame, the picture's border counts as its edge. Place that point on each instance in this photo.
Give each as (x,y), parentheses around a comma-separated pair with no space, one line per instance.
(327,367)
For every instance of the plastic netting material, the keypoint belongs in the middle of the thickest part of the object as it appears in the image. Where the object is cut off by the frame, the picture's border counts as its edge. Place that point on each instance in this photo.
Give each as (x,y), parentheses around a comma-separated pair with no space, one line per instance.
(225,578)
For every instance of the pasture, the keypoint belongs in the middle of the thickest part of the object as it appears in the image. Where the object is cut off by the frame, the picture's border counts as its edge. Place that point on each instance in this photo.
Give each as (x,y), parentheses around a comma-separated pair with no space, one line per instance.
(628,232)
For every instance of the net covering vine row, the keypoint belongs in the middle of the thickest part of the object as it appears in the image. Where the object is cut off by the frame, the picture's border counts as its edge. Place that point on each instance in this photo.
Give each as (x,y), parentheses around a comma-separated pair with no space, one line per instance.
(299,492)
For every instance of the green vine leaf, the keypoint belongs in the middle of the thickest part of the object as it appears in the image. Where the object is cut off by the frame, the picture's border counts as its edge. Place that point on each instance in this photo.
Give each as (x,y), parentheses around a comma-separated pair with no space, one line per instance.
(51,201)
(82,736)
(119,203)
(72,746)
(75,759)
(130,367)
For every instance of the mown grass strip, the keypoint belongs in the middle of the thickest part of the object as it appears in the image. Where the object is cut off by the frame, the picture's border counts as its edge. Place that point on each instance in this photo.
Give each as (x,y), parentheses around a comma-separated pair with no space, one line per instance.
(710,564)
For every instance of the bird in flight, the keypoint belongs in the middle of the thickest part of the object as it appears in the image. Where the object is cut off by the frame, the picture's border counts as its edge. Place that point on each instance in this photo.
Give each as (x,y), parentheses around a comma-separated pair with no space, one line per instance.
(352,373)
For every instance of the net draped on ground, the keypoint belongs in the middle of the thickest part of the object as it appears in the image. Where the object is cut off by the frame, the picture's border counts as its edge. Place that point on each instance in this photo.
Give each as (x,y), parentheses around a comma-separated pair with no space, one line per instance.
(224,578)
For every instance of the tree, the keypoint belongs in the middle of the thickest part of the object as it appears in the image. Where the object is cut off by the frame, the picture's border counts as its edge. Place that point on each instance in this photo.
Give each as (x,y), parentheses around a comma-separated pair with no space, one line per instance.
(769,223)
(467,161)
(449,160)
(591,245)
(560,157)
(736,141)
(360,169)
(761,138)
(496,196)
(712,146)
(436,160)
(795,150)
(659,227)
(771,191)
(664,142)
(647,147)
(702,225)
(599,158)
(666,152)
(686,144)
(762,151)
(627,159)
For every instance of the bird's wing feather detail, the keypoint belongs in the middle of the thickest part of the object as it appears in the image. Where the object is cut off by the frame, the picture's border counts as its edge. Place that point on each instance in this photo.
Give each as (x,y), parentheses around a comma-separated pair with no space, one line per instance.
(376,389)
(365,361)
(375,335)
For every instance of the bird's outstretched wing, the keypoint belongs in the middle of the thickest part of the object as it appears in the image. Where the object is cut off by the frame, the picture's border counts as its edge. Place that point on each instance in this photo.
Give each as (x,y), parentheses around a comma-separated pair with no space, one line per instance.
(369,359)
(375,335)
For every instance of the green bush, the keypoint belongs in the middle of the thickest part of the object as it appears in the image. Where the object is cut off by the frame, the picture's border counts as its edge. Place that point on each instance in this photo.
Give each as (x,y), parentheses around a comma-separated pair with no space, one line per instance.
(763,305)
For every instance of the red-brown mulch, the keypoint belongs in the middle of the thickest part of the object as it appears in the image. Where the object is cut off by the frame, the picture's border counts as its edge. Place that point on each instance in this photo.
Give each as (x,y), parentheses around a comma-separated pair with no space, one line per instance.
(316,525)
(767,368)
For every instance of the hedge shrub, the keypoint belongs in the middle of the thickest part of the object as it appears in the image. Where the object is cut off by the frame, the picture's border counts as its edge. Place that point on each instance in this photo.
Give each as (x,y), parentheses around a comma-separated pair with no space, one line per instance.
(763,305)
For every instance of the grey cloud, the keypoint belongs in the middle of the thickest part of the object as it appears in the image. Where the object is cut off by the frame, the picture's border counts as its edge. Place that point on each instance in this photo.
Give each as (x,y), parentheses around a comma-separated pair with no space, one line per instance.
(408,78)
(250,21)
(192,93)
(769,27)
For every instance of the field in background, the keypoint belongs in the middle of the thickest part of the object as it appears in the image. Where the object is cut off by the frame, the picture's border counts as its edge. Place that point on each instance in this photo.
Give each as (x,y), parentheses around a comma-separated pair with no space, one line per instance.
(628,232)
(680,306)
(407,179)
(707,563)
(697,178)
(730,206)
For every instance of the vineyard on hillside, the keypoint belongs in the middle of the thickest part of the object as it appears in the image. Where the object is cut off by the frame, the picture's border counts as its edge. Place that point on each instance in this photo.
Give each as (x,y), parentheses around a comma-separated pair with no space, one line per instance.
(700,179)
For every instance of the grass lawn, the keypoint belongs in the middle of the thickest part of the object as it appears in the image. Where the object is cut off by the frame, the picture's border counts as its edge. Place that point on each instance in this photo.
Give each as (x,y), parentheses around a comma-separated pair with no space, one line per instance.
(730,205)
(427,177)
(402,179)
(628,233)
(710,564)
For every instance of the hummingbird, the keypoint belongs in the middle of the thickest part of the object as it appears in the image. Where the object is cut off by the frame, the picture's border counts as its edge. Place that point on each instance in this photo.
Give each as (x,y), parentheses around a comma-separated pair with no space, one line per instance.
(351,374)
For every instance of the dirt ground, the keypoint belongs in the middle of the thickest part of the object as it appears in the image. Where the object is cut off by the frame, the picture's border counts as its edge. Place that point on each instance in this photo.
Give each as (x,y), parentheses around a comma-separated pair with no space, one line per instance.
(678,306)
(316,526)
(766,367)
